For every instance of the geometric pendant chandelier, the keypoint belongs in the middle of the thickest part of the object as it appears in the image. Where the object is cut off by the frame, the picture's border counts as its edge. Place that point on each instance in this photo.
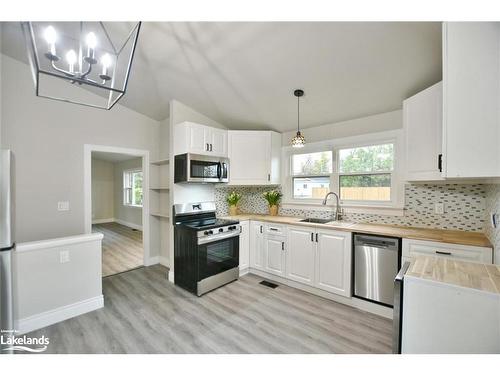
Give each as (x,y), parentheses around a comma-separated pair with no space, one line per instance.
(66,56)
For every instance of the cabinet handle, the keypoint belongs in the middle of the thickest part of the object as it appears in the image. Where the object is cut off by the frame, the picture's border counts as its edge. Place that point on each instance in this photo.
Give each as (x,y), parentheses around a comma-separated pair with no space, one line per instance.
(316,237)
(210,147)
(207,149)
(312,237)
(274,229)
(440,162)
(268,177)
(261,229)
(282,246)
(443,252)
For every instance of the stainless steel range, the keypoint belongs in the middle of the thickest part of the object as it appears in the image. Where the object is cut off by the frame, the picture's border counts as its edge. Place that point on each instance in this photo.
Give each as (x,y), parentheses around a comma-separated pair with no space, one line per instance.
(206,249)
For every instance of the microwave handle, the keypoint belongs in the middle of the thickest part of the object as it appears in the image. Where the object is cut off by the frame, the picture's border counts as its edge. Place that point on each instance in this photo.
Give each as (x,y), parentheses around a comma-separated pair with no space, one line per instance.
(224,170)
(219,170)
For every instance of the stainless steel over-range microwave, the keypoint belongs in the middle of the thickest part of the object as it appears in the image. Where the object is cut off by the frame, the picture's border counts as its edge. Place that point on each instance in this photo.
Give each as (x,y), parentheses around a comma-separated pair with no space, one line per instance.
(200,168)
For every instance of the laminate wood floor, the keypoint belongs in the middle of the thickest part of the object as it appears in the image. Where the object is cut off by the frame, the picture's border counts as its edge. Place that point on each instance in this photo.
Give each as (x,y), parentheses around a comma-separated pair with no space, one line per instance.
(144,313)
(122,248)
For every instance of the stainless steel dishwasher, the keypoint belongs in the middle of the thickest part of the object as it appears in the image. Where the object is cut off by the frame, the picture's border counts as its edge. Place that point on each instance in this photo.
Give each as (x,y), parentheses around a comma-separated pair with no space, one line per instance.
(376,263)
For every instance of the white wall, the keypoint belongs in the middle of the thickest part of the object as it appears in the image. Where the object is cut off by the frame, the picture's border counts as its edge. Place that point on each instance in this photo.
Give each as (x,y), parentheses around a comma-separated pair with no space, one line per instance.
(47,139)
(126,214)
(364,125)
(103,179)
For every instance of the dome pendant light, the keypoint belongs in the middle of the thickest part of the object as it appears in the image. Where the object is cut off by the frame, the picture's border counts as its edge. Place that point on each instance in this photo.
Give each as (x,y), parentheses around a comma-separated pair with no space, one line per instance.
(299,140)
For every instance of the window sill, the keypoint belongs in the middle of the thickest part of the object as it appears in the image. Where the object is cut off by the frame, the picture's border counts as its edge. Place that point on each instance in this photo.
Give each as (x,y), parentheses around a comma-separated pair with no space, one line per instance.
(348,208)
(132,206)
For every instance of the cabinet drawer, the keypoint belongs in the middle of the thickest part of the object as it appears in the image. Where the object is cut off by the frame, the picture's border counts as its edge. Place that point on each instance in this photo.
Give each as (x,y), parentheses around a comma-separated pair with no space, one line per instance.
(275,229)
(412,248)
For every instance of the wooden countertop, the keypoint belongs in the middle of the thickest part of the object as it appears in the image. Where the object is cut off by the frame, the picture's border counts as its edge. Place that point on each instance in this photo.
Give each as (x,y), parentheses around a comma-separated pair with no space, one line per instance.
(484,277)
(437,235)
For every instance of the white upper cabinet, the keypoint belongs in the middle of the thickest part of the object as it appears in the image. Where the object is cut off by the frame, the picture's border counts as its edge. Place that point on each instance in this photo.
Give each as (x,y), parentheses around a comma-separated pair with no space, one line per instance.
(471,99)
(254,157)
(199,139)
(423,127)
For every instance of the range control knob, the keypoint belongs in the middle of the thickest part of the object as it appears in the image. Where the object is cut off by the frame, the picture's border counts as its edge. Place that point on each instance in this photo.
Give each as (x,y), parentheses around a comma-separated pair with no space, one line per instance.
(208,232)
(232,227)
(221,230)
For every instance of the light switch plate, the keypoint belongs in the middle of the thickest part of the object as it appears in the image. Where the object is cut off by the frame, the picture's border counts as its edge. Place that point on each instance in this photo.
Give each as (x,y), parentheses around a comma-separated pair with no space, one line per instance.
(439,208)
(63,206)
(64,256)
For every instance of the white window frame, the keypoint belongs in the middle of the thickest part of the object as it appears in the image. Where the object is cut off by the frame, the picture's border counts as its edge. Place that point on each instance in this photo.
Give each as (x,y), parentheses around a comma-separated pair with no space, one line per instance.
(393,207)
(309,175)
(124,189)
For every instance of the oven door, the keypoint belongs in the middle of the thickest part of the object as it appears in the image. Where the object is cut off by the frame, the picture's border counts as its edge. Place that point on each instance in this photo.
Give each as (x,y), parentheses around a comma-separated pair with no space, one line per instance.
(218,254)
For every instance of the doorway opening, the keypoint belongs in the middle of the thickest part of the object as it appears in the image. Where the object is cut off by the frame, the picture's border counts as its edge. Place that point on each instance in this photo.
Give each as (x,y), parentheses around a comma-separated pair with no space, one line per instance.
(116,184)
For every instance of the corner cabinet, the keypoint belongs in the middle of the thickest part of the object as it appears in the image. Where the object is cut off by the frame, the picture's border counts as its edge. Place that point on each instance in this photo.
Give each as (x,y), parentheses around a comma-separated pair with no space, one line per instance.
(471,97)
(254,157)
(423,128)
(199,139)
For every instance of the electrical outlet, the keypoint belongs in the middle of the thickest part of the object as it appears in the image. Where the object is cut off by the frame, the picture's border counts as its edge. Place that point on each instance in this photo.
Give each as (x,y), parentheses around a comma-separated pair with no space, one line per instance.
(64,256)
(63,206)
(439,208)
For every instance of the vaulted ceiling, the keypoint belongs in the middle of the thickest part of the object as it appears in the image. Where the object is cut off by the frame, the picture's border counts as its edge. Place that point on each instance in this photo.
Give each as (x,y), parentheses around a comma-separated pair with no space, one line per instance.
(243,74)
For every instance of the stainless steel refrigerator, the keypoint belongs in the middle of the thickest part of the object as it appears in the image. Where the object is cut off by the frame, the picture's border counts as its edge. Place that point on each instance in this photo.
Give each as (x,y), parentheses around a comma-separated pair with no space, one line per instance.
(6,246)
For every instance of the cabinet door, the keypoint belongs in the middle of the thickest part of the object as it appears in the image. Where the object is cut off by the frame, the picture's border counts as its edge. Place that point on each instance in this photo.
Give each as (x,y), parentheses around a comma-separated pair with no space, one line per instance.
(257,245)
(333,262)
(250,157)
(423,124)
(471,96)
(218,142)
(300,255)
(198,138)
(274,255)
(244,245)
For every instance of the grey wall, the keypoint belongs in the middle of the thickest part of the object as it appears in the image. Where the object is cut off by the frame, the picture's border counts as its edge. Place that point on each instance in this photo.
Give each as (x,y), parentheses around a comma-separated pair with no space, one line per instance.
(125,214)
(364,125)
(47,139)
(103,178)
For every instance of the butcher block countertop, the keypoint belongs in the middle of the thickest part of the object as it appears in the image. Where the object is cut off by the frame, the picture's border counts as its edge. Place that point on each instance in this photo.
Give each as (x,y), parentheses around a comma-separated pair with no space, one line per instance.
(437,235)
(484,277)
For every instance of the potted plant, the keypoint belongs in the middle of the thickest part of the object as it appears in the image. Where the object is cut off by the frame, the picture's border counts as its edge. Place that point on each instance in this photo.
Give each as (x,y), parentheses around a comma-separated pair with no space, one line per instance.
(232,200)
(273,198)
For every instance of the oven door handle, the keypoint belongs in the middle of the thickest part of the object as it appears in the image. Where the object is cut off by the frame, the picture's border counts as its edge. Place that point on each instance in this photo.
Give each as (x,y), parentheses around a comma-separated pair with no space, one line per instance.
(218,237)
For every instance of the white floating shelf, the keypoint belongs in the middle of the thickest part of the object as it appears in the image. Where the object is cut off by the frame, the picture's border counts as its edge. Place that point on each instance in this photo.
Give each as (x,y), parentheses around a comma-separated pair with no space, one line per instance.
(160,162)
(158,214)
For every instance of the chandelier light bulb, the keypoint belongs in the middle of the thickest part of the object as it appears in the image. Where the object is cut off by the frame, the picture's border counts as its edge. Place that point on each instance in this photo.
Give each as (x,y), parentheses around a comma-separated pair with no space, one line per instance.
(71,59)
(50,35)
(91,40)
(106,61)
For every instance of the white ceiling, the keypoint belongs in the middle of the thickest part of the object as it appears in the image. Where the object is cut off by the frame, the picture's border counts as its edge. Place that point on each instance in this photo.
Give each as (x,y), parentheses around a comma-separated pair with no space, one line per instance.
(243,74)
(111,156)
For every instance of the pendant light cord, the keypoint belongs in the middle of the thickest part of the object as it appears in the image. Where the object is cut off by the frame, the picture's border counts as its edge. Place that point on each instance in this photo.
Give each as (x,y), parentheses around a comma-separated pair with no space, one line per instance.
(298,114)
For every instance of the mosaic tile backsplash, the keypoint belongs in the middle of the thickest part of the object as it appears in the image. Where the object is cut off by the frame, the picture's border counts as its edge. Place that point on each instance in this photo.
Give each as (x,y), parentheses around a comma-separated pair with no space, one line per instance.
(464,206)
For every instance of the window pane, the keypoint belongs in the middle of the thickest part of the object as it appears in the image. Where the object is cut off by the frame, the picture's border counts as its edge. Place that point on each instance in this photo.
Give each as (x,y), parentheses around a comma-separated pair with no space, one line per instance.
(311,187)
(316,163)
(366,187)
(138,188)
(379,158)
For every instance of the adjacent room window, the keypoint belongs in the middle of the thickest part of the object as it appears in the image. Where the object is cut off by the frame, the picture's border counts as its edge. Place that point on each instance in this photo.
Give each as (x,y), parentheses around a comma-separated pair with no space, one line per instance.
(365,173)
(311,174)
(132,188)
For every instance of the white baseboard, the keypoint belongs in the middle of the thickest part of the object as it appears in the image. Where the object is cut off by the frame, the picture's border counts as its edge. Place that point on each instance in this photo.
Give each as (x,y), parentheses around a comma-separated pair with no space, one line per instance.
(127,224)
(244,271)
(371,307)
(50,317)
(170,276)
(103,221)
(164,261)
(151,261)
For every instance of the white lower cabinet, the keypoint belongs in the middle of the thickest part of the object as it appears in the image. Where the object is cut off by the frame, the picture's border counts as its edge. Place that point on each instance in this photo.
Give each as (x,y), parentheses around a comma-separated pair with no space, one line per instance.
(274,252)
(257,245)
(300,255)
(333,261)
(244,245)
(412,248)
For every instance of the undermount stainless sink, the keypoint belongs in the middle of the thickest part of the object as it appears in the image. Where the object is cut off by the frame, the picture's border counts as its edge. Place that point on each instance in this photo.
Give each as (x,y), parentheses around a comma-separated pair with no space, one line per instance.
(313,220)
